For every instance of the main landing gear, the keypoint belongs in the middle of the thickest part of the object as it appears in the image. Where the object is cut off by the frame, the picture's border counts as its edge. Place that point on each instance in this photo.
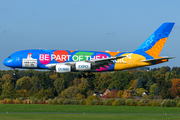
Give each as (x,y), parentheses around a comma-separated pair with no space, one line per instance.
(85,76)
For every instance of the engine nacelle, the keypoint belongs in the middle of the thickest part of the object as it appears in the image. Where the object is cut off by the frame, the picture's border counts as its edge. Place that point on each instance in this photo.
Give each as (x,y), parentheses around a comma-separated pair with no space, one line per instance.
(63,68)
(83,66)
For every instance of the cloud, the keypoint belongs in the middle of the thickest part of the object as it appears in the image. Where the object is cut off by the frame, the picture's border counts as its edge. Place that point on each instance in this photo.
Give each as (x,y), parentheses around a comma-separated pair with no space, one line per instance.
(110,33)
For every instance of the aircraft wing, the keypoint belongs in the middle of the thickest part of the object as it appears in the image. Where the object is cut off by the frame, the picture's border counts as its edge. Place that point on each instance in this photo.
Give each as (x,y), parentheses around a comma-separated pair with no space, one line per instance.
(96,62)
(157,59)
(52,66)
(105,62)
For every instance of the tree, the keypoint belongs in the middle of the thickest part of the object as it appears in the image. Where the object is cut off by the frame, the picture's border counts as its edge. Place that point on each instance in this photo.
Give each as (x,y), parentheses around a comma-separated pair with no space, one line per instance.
(0,86)
(160,80)
(7,87)
(120,94)
(104,85)
(96,79)
(90,83)
(154,90)
(139,83)
(145,79)
(139,91)
(21,93)
(175,87)
(165,91)
(43,80)
(83,87)
(6,77)
(80,96)
(103,81)
(7,90)
(122,79)
(23,83)
(177,69)
(68,77)
(163,69)
(53,77)
(59,85)
(173,74)
(157,91)
(113,85)
(34,83)
(127,94)
(148,85)
(45,94)
(132,84)
(70,92)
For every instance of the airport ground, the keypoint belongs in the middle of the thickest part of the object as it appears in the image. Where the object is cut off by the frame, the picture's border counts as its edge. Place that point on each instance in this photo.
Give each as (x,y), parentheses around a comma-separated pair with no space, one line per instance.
(85,117)
(61,112)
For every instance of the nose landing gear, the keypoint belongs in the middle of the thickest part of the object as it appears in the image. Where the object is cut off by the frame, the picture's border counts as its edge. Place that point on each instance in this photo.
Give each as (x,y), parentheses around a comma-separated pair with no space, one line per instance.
(14,72)
(85,76)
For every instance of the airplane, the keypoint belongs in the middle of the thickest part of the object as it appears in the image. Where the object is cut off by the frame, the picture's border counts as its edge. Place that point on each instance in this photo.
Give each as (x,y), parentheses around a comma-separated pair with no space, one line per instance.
(63,61)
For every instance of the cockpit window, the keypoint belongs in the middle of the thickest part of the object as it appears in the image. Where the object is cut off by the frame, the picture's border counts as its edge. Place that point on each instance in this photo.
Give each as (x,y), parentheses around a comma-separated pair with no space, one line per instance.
(9,57)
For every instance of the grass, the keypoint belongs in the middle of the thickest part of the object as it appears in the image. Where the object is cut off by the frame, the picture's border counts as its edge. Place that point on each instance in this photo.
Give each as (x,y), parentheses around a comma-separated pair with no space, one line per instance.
(85,117)
(87,109)
(38,112)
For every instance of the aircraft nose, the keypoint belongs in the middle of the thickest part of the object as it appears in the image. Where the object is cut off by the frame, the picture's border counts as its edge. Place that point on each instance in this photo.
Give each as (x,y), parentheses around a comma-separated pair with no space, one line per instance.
(6,62)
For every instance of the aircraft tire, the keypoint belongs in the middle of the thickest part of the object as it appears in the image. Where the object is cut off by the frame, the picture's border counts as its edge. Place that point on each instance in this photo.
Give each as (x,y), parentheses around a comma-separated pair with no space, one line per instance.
(79,76)
(85,76)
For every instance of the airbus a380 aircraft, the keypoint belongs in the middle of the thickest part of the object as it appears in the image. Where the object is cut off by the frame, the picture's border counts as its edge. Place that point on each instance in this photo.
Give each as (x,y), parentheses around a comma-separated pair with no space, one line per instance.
(94,61)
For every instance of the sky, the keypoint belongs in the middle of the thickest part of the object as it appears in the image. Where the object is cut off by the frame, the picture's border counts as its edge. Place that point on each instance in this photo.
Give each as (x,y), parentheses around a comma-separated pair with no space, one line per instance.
(114,25)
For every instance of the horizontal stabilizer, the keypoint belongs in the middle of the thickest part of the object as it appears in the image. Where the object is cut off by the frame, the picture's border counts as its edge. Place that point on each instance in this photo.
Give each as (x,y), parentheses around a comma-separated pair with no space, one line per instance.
(157,59)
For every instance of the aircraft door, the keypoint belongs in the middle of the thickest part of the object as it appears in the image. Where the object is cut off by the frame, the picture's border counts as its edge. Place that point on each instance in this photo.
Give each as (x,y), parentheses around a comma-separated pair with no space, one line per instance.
(17,60)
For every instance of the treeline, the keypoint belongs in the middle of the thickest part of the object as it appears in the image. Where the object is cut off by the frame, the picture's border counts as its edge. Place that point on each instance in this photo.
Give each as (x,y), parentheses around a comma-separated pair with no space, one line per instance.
(94,100)
(162,82)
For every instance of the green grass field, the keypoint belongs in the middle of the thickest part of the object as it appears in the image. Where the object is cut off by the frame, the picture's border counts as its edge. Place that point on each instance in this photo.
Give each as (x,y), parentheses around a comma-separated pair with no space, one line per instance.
(87,109)
(85,117)
(23,111)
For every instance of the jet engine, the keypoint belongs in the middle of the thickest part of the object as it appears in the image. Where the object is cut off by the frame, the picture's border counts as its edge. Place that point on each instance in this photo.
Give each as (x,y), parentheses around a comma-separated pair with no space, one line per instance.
(63,68)
(83,66)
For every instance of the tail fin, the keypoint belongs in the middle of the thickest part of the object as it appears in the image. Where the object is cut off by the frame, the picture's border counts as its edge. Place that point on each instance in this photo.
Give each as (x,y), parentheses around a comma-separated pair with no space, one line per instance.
(154,44)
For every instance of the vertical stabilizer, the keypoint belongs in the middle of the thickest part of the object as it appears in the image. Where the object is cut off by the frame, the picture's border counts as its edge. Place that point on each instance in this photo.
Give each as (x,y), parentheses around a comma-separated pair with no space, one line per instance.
(154,44)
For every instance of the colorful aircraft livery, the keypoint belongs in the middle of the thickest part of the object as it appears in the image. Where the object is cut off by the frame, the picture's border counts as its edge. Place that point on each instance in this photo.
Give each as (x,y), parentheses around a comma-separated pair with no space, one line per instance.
(94,61)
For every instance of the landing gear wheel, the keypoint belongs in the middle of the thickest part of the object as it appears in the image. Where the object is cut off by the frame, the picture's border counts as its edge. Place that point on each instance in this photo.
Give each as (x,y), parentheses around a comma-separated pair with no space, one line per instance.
(83,75)
(79,76)
(91,75)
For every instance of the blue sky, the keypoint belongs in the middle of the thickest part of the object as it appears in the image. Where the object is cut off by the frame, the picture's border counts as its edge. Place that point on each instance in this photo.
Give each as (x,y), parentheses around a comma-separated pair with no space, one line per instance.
(114,25)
